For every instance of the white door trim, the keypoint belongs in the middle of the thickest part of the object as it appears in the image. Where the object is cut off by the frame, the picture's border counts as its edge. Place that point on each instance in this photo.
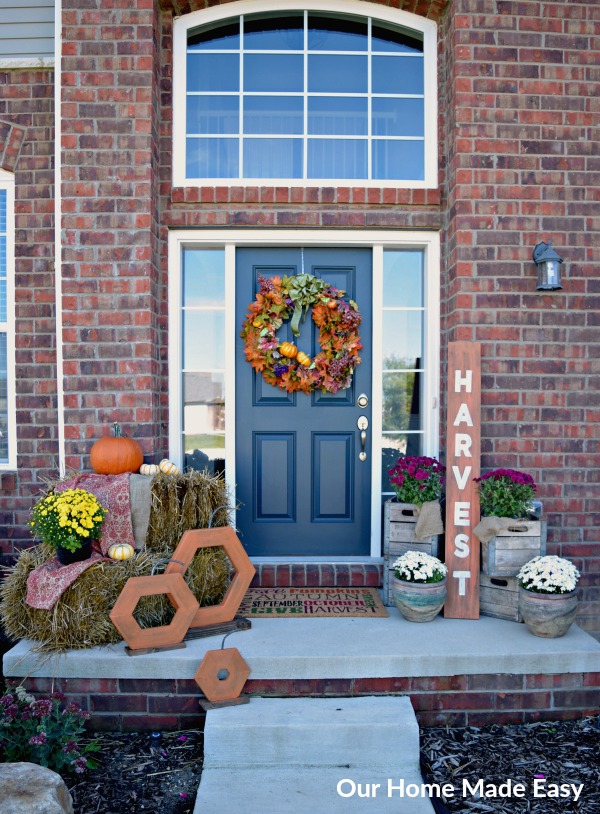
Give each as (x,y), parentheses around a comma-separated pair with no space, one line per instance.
(229,240)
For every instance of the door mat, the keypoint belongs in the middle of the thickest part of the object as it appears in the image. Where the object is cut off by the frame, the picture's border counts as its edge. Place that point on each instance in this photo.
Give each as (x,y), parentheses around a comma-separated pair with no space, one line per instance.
(301,602)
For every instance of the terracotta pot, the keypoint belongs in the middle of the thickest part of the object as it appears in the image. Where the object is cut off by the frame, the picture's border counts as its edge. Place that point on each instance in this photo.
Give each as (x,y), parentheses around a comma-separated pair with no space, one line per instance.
(419,601)
(66,557)
(548,615)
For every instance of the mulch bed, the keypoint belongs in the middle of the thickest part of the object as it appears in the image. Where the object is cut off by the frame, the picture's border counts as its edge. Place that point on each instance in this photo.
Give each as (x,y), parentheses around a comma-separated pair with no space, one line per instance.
(140,774)
(565,752)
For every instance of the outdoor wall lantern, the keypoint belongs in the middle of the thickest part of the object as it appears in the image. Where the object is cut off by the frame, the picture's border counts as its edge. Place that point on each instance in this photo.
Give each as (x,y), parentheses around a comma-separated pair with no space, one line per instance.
(548,263)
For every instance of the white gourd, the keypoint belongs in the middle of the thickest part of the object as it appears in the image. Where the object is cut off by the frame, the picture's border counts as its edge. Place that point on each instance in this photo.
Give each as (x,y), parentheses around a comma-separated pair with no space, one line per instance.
(121,551)
(168,467)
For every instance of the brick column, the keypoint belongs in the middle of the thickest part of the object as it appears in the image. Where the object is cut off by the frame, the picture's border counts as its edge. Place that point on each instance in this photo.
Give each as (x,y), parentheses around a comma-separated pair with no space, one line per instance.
(519,149)
(113,294)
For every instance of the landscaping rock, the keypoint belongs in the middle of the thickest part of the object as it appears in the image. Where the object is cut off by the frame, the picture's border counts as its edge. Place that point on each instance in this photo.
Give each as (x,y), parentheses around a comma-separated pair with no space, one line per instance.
(26,788)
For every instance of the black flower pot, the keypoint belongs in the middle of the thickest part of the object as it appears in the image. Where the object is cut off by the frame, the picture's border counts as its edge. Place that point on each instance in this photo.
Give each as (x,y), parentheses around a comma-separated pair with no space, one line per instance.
(66,557)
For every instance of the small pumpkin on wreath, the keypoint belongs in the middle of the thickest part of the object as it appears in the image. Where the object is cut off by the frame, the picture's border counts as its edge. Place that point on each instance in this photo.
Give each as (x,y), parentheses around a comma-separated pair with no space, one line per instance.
(282,364)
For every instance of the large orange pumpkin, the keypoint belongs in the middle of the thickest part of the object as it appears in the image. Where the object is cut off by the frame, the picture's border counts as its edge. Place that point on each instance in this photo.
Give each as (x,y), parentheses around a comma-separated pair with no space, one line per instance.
(115,455)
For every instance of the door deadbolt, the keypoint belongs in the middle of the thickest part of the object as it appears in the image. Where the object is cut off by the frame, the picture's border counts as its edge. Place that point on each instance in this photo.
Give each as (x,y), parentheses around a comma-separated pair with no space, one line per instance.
(362,423)
(363,400)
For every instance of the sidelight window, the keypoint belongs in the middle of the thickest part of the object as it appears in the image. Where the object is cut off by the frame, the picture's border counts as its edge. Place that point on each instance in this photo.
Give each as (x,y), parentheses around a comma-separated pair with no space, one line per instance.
(8,441)
(203,358)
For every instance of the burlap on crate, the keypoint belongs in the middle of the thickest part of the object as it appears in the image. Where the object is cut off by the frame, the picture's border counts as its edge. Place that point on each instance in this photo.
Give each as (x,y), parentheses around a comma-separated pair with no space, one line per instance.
(80,617)
(429,520)
(488,527)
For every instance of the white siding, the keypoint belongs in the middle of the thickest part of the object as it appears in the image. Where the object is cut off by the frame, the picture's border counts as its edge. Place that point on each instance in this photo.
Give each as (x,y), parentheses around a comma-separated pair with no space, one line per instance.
(26,29)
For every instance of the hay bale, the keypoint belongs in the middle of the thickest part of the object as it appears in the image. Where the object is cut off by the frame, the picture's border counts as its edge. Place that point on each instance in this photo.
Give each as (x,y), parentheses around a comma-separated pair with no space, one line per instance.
(80,618)
(180,502)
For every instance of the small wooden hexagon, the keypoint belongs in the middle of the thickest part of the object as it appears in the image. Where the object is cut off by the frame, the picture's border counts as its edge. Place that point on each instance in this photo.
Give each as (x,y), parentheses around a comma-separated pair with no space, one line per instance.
(178,594)
(224,536)
(222,674)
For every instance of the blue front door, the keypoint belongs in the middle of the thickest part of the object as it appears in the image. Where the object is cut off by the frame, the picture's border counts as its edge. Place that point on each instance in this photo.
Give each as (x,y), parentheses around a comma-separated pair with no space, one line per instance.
(301,485)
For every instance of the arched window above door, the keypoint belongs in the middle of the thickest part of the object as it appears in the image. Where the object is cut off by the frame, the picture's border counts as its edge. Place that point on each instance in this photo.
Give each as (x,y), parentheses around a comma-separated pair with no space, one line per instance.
(336,93)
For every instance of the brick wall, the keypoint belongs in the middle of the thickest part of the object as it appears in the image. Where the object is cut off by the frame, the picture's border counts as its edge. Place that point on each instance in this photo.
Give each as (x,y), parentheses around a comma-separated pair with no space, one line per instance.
(27,150)
(474,700)
(521,90)
(114,291)
(425,8)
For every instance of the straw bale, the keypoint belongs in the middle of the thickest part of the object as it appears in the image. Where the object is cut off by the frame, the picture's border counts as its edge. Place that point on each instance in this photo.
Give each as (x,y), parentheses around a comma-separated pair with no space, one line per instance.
(180,502)
(80,618)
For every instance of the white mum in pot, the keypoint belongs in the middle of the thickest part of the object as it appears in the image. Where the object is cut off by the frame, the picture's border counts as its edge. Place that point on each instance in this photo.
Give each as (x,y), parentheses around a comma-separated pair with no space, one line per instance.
(416,566)
(548,575)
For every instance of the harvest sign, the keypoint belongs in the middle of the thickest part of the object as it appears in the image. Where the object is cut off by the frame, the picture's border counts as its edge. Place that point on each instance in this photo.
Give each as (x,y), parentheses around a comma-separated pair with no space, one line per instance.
(462,465)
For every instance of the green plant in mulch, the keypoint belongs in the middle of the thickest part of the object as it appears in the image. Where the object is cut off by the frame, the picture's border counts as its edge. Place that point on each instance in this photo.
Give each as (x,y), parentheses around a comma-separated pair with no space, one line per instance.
(44,731)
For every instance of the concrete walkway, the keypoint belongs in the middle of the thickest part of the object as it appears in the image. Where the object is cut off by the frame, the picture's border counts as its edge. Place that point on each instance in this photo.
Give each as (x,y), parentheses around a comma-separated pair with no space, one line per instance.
(303,755)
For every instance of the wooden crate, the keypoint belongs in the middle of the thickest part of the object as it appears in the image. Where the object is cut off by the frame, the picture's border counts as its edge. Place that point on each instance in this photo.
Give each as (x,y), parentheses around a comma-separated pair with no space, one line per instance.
(511,548)
(499,597)
(400,520)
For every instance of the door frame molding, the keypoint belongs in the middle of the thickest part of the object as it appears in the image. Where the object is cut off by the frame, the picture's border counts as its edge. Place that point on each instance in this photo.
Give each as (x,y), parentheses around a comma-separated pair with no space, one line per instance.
(377,240)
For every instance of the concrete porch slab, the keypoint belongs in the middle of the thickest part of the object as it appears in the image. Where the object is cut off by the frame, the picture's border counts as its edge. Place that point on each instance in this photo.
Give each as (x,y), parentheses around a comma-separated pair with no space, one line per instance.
(338,648)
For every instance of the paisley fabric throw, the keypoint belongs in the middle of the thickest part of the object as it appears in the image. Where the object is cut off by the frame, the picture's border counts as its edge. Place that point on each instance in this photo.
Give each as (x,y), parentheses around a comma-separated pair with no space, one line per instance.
(47,582)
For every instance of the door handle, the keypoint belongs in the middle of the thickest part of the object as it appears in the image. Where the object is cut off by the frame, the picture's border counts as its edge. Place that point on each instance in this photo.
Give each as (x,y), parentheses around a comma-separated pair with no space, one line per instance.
(362,424)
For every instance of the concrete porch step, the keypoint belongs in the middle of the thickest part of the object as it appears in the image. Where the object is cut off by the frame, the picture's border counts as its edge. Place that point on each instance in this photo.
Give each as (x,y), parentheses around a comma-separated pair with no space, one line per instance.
(288,755)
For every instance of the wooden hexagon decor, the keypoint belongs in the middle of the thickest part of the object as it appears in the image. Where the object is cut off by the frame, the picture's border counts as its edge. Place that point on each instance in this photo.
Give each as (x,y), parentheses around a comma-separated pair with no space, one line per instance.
(178,594)
(222,674)
(224,536)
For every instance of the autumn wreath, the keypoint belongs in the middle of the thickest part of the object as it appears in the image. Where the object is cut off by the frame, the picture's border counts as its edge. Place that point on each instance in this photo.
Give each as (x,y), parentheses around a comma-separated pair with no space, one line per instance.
(281,363)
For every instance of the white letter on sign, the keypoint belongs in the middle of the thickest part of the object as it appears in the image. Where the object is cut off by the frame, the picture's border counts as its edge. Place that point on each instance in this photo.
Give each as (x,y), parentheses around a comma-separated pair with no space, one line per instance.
(461,546)
(459,381)
(462,576)
(462,445)
(461,478)
(463,416)
(461,513)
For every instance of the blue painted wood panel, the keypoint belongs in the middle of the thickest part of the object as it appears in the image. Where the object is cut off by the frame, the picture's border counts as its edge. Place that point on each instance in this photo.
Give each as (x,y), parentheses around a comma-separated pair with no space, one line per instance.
(333,476)
(301,487)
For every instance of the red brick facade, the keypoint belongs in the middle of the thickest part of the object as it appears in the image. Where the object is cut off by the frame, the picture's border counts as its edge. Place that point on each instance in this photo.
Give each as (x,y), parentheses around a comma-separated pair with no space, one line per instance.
(474,700)
(27,150)
(518,89)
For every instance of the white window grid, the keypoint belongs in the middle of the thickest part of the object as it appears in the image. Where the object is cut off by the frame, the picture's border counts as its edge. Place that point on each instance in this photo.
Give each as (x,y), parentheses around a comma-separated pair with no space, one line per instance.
(305,95)
(346,8)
